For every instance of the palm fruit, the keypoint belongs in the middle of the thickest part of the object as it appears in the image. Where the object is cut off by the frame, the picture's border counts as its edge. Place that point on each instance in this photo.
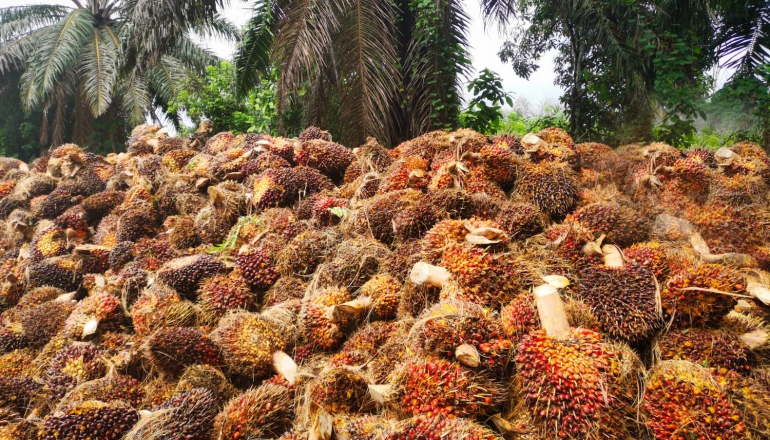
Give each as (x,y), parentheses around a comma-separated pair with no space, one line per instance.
(539,150)
(89,420)
(686,296)
(751,395)
(264,161)
(184,274)
(16,393)
(706,347)
(248,342)
(173,349)
(435,386)
(60,272)
(501,165)
(521,220)
(519,317)
(138,221)
(410,172)
(563,404)
(285,289)
(263,412)
(313,133)
(683,400)
(621,224)
(100,311)
(11,332)
(363,345)
(51,242)
(73,365)
(651,255)
(16,362)
(151,253)
(305,252)
(42,322)
(222,293)
(54,204)
(447,233)
(187,416)
(257,267)
(325,210)
(340,390)
(352,263)
(452,174)
(107,389)
(176,160)
(427,427)
(218,143)
(39,295)
(359,428)
(468,332)
(106,231)
(329,158)
(375,217)
(319,329)
(183,235)
(414,222)
(275,187)
(383,290)
(622,296)
(209,378)
(551,186)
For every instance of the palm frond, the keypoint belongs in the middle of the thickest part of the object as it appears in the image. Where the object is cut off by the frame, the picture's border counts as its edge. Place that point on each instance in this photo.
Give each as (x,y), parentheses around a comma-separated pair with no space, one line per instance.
(18,21)
(253,55)
(193,55)
(57,50)
(134,97)
(498,11)
(14,54)
(98,71)
(744,35)
(166,78)
(217,27)
(303,35)
(368,64)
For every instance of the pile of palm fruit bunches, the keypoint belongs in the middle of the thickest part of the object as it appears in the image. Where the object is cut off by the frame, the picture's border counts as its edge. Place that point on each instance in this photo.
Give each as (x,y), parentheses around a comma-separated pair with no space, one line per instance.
(456,287)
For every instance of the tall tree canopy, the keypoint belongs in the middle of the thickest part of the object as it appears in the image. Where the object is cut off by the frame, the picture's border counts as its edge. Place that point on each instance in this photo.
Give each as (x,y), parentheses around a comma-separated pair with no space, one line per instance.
(104,60)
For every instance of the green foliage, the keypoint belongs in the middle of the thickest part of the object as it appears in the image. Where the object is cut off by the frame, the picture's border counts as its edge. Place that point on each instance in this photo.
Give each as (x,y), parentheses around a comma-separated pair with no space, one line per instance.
(519,124)
(214,97)
(484,113)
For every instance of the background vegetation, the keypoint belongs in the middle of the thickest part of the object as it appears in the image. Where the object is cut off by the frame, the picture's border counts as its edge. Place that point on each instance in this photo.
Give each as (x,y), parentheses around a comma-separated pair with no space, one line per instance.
(632,70)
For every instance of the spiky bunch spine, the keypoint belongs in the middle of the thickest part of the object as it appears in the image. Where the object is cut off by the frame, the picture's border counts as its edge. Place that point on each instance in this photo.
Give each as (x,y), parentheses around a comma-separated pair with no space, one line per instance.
(359,428)
(208,377)
(303,254)
(318,329)
(248,342)
(685,296)
(340,390)
(521,220)
(160,307)
(707,347)
(264,412)
(257,267)
(173,349)
(221,293)
(427,427)
(90,420)
(621,224)
(551,186)
(285,289)
(623,299)
(569,385)
(412,223)
(185,273)
(436,386)
(39,295)
(354,262)
(684,400)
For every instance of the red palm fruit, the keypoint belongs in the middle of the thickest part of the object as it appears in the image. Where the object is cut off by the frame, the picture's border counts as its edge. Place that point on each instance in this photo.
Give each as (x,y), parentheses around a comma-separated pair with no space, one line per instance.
(186,416)
(312,133)
(413,222)
(184,274)
(51,242)
(257,267)
(263,162)
(707,347)
(176,160)
(651,255)
(222,293)
(683,399)
(73,365)
(98,312)
(384,293)
(328,157)
(263,412)
(424,146)
(248,342)
(107,421)
(363,345)
(173,349)
(324,210)
(436,386)
(521,220)
(623,297)
(695,294)
(551,186)
(501,165)
(409,172)
(318,327)
(621,224)
(340,390)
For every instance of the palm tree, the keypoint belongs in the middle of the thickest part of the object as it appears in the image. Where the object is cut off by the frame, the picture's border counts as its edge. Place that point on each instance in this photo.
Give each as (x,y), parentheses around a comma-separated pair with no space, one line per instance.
(105,58)
(385,68)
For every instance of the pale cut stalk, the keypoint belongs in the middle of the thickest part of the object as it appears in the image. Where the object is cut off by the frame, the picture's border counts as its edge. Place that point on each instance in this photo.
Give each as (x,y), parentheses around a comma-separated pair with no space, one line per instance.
(322,426)
(550,309)
(759,291)
(612,256)
(467,355)
(380,393)
(65,297)
(755,339)
(90,327)
(424,273)
(285,366)
(532,143)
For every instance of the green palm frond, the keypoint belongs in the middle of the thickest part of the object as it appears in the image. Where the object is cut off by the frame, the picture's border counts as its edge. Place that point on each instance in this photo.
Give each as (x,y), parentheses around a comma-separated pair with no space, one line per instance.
(18,21)
(166,78)
(99,71)
(57,50)
(13,54)
(134,97)
(367,60)
(253,55)
(744,34)
(193,55)
(218,27)
(498,11)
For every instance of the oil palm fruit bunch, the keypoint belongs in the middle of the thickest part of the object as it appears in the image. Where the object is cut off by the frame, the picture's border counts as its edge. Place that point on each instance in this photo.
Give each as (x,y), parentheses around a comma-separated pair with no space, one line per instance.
(171,350)
(186,416)
(90,419)
(263,412)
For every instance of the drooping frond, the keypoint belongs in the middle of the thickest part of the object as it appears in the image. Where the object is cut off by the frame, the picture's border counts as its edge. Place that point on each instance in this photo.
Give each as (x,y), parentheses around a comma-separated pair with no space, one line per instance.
(218,27)
(437,62)
(13,54)
(134,97)
(193,55)
(56,51)
(498,11)
(166,77)
(253,55)
(98,71)
(18,21)
(744,35)
(367,59)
